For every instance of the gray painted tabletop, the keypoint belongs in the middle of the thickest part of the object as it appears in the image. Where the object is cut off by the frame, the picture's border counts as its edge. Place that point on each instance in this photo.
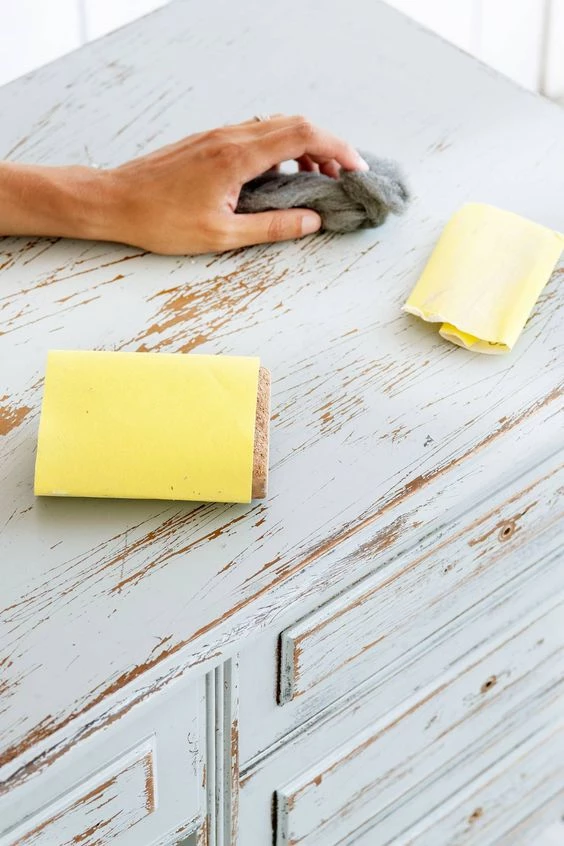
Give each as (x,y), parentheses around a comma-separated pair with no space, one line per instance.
(380,429)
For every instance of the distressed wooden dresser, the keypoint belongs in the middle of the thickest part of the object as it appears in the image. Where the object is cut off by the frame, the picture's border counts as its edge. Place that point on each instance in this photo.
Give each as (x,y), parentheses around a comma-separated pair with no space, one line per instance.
(375,654)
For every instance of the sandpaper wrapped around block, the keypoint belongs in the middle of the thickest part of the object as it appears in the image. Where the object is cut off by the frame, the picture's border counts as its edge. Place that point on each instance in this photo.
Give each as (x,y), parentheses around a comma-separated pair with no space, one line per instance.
(154,426)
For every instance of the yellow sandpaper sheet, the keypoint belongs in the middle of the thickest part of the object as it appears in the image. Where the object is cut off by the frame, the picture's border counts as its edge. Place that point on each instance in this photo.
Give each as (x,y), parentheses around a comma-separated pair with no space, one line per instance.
(484,277)
(147,425)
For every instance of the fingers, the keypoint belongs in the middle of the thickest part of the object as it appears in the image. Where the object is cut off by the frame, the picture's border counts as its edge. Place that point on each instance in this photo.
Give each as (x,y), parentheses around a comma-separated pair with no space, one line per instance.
(251,129)
(280,138)
(307,165)
(263,227)
(330,168)
(294,138)
(254,120)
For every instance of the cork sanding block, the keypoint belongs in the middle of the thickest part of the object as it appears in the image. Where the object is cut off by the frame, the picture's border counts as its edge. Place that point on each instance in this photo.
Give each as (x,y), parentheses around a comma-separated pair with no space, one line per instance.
(154,426)
(262,436)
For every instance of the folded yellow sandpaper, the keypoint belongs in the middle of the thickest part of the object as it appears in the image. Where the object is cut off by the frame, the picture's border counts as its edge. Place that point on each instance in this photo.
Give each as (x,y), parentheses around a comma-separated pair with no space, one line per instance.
(147,425)
(484,277)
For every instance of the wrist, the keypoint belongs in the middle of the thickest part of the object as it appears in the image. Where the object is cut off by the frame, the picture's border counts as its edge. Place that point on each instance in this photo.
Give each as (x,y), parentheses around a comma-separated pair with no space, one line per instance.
(89,204)
(72,202)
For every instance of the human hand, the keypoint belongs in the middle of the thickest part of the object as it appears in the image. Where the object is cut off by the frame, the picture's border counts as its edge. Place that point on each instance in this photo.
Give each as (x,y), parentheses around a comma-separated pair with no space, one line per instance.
(182,198)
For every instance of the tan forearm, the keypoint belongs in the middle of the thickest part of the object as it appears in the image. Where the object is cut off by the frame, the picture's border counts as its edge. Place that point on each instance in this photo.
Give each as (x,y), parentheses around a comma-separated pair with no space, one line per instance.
(73,202)
(181,199)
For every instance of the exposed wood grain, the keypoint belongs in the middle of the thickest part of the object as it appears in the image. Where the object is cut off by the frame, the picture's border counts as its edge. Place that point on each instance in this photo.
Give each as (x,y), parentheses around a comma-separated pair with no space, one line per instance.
(11,416)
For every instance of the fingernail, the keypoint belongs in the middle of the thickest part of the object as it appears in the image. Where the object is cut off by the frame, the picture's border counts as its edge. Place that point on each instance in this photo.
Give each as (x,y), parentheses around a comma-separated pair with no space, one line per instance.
(311,222)
(362,164)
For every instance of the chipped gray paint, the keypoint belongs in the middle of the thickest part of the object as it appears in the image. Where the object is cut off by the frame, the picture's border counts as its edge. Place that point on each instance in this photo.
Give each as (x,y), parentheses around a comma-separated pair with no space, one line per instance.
(382,433)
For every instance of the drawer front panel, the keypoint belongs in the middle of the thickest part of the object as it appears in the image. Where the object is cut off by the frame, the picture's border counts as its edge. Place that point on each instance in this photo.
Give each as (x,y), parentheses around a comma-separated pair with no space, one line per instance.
(132,781)
(387,614)
(484,623)
(507,793)
(376,771)
(103,808)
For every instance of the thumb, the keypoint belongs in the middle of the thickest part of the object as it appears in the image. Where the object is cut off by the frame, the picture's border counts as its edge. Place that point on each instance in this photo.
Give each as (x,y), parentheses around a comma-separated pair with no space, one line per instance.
(262,227)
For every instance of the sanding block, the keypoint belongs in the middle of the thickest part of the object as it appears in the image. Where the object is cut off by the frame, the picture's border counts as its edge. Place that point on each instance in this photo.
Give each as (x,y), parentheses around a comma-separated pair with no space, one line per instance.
(154,426)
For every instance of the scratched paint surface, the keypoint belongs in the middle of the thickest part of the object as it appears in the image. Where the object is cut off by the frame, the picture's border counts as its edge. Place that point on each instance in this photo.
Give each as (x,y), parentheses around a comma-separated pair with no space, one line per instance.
(375,419)
(367,629)
(489,810)
(101,813)
(374,770)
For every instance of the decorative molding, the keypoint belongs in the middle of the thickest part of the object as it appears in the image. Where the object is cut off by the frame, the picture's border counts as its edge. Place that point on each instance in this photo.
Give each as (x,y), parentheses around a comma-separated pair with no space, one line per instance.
(222,753)
(110,802)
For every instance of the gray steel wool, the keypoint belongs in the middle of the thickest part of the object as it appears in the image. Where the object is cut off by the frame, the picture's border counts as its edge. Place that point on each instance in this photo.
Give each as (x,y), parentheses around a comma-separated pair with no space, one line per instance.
(358,199)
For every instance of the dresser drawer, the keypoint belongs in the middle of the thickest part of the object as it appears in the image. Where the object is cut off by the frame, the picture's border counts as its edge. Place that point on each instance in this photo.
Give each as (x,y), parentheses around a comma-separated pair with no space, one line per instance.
(138,781)
(462,585)
(383,617)
(391,770)
(491,807)
(102,808)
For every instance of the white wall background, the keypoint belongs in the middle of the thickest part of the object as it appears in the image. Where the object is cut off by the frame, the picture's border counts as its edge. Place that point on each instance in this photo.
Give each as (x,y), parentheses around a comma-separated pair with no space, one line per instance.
(33,32)
(522,38)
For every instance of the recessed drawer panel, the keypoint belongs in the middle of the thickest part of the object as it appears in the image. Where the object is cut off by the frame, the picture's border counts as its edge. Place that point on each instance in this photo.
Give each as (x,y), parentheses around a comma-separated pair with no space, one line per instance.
(102,808)
(384,616)
(139,778)
(390,774)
